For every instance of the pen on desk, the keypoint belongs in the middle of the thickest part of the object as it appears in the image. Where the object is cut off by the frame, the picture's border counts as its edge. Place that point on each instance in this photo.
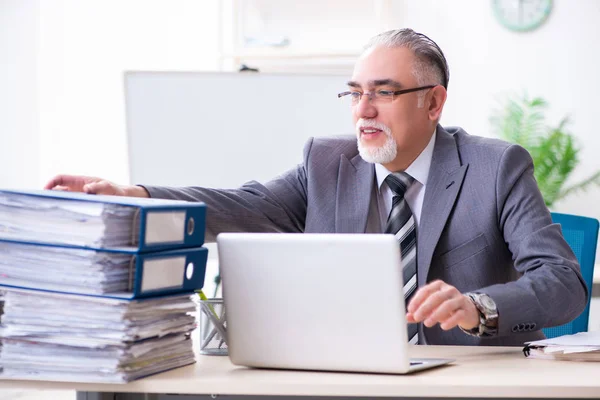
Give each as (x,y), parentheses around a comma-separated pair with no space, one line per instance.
(204,298)
(213,317)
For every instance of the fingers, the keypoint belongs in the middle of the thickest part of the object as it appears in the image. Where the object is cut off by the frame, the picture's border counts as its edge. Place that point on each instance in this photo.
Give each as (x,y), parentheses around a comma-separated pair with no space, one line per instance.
(445,294)
(440,303)
(423,294)
(444,311)
(86,184)
(454,320)
(101,187)
(450,322)
(59,180)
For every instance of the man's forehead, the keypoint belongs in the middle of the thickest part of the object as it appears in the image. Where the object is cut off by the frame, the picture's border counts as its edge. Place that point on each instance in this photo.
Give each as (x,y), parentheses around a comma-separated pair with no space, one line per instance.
(380,63)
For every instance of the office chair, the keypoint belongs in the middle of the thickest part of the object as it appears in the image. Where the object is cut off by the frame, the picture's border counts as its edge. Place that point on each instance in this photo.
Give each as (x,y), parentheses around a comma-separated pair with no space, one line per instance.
(581,233)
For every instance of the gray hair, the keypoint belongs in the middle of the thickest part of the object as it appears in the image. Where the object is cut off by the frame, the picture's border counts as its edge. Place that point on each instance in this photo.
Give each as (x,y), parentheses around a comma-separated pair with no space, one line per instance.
(431,66)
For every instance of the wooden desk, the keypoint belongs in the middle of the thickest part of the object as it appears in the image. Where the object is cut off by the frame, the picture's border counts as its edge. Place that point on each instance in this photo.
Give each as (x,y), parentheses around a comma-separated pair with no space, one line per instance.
(500,372)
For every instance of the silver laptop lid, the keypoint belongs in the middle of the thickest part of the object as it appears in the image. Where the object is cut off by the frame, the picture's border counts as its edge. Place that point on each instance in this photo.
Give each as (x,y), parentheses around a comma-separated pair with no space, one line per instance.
(314,301)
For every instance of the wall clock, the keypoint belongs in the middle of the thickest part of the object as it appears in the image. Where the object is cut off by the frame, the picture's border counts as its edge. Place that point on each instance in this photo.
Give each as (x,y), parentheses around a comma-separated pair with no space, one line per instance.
(522,15)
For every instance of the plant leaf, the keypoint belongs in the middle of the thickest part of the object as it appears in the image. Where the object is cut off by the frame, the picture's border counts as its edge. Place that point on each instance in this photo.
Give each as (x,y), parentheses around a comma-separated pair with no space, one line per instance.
(594,179)
(553,149)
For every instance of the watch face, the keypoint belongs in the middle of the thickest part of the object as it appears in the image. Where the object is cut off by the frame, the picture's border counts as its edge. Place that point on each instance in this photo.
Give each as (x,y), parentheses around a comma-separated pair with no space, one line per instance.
(522,15)
(487,302)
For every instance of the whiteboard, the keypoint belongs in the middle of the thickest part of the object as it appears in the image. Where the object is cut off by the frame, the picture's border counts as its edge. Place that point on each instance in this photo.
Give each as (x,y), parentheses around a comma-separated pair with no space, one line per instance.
(223,129)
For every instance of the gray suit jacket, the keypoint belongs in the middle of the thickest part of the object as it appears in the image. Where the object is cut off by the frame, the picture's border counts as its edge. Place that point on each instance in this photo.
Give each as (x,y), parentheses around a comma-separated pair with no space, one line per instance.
(484,225)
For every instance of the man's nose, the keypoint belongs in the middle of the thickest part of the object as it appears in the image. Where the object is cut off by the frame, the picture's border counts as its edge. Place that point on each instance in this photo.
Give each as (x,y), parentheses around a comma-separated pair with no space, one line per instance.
(364,108)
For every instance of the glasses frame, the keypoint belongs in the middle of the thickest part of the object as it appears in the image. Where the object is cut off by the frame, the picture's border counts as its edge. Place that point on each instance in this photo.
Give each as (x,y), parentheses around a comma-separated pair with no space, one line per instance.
(395,93)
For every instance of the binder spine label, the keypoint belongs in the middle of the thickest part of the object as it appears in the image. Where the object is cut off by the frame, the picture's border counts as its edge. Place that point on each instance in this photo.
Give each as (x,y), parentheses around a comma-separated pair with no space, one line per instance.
(165,227)
(163,273)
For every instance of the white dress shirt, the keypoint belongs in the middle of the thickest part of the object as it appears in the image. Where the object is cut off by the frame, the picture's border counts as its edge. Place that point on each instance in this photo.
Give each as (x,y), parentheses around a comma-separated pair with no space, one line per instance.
(418,169)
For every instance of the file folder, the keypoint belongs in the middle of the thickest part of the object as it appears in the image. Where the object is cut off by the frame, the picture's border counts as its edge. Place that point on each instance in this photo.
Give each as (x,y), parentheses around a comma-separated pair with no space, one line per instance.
(101,222)
(581,346)
(66,269)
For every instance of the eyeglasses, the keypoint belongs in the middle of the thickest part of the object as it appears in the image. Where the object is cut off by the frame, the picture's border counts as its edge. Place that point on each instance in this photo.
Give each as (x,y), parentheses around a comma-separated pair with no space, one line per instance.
(379,96)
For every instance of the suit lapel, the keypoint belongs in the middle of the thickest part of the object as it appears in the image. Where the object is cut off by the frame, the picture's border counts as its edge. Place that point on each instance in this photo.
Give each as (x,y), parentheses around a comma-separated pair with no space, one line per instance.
(446,176)
(354,188)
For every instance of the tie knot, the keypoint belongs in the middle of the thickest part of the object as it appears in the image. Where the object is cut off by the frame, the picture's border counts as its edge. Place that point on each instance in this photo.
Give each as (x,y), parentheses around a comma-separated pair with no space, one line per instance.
(399,182)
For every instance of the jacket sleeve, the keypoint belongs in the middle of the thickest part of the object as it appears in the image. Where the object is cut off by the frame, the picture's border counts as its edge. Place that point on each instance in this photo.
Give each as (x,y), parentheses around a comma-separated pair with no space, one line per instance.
(276,206)
(550,290)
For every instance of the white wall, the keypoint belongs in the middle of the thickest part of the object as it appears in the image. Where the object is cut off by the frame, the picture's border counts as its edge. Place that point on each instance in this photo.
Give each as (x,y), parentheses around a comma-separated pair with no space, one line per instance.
(85,46)
(61,65)
(558,62)
(71,119)
(19,134)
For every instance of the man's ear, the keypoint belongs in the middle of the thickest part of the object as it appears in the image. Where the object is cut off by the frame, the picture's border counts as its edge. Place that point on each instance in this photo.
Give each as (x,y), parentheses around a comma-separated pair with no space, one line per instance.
(437,99)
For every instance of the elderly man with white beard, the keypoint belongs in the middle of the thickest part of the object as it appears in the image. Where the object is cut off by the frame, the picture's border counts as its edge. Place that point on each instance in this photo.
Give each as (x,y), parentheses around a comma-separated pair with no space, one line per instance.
(482,261)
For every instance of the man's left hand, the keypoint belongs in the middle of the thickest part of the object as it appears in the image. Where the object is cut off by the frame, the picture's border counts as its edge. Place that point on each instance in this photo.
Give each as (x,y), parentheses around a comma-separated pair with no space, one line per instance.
(440,303)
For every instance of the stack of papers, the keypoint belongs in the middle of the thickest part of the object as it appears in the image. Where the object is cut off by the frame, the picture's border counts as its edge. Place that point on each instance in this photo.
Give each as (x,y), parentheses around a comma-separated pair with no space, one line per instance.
(51,336)
(64,269)
(71,222)
(583,346)
(1,312)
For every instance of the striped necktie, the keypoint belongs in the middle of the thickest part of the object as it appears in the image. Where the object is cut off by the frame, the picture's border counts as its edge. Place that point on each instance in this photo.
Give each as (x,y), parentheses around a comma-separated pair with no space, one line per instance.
(401,223)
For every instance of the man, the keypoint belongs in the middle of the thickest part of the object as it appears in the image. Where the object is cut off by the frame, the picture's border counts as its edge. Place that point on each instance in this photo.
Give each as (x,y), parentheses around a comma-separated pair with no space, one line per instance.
(490,266)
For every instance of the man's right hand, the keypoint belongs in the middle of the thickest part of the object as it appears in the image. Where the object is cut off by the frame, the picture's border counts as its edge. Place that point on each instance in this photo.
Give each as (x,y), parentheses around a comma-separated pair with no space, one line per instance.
(91,185)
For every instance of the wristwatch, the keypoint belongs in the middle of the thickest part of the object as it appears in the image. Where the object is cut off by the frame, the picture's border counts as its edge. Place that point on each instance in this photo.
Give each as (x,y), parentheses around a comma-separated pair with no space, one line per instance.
(488,315)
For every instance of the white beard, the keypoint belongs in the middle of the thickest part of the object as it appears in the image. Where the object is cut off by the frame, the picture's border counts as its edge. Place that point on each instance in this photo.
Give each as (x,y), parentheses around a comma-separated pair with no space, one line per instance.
(383,154)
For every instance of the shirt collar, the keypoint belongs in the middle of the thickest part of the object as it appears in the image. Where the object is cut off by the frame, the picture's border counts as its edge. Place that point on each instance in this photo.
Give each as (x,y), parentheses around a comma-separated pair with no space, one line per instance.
(418,169)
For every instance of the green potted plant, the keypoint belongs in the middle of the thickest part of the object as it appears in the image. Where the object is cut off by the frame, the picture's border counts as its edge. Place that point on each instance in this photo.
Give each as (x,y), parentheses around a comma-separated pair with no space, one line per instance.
(554,150)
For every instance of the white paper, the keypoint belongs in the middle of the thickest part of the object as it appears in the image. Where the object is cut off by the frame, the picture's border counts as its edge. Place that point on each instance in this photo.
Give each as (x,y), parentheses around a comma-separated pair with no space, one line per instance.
(579,339)
(66,221)
(54,336)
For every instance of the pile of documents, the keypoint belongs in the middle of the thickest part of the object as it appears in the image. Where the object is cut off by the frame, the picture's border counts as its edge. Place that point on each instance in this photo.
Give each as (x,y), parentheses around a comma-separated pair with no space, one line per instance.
(101,222)
(51,336)
(97,288)
(94,224)
(1,312)
(81,270)
(583,346)
(89,271)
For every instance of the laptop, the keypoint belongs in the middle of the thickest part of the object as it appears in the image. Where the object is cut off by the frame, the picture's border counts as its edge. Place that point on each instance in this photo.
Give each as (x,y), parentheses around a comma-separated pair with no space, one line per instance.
(331,302)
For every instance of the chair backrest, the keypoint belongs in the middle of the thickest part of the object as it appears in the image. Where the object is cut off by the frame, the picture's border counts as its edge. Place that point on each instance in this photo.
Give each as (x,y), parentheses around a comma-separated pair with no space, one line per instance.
(581,233)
